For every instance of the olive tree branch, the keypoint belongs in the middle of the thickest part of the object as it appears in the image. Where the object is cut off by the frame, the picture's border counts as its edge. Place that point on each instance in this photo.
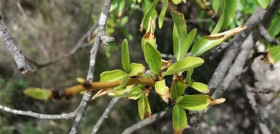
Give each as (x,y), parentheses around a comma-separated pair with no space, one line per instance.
(101,36)
(12,46)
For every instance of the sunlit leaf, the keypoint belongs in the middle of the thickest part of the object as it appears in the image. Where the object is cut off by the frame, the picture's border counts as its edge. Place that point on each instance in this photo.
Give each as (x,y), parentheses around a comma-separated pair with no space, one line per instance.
(179,119)
(123,82)
(141,107)
(121,6)
(162,13)
(176,1)
(125,56)
(148,37)
(263,3)
(113,75)
(38,93)
(200,87)
(207,42)
(162,90)
(227,16)
(180,45)
(153,58)
(273,54)
(150,13)
(136,69)
(274,27)
(178,88)
(184,65)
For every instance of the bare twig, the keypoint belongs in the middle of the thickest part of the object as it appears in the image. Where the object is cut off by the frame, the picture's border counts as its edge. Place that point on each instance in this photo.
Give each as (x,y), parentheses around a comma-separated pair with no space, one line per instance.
(237,67)
(105,114)
(12,46)
(265,35)
(232,51)
(144,122)
(101,36)
(38,115)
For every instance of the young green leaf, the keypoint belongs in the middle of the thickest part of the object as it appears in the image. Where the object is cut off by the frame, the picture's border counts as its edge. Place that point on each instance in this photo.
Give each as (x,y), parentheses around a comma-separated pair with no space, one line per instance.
(144,108)
(195,102)
(227,16)
(200,87)
(151,12)
(162,90)
(38,93)
(178,89)
(207,42)
(273,54)
(153,58)
(141,107)
(123,82)
(136,69)
(162,13)
(179,119)
(190,37)
(274,27)
(176,1)
(148,37)
(263,3)
(125,56)
(184,65)
(180,45)
(113,75)
(189,76)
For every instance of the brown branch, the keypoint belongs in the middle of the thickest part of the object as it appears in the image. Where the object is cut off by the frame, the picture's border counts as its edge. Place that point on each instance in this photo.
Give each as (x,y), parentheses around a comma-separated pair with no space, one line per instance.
(106,85)
(12,46)
(207,9)
(144,122)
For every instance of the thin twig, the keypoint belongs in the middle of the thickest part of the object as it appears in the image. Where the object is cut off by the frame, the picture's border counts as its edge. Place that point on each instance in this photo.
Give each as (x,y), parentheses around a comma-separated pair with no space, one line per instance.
(39,115)
(12,46)
(144,122)
(101,36)
(265,35)
(105,114)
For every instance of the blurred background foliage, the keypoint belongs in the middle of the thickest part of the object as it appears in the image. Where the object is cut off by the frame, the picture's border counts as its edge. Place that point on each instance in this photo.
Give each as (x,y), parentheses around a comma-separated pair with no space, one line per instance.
(48,29)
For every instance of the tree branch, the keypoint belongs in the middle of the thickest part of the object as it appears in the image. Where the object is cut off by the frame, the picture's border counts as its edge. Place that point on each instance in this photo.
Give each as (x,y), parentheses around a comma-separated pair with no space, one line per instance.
(266,36)
(12,46)
(38,115)
(144,122)
(105,114)
(101,36)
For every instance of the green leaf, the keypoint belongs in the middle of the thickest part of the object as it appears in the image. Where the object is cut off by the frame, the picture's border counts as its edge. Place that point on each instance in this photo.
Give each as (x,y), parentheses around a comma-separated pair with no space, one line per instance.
(274,27)
(144,108)
(153,58)
(148,37)
(130,92)
(136,69)
(141,107)
(207,42)
(121,6)
(190,37)
(263,3)
(113,75)
(178,89)
(161,88)
(176,1)
(123,82)
(204,44)
(180,46)
(125,56)
(184,65)
(179,119)
(274,54)
(200,87)
(216,4)
(227,16)
(151,12)
(189,76)
(195,102)
(162,13)
(38,93)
